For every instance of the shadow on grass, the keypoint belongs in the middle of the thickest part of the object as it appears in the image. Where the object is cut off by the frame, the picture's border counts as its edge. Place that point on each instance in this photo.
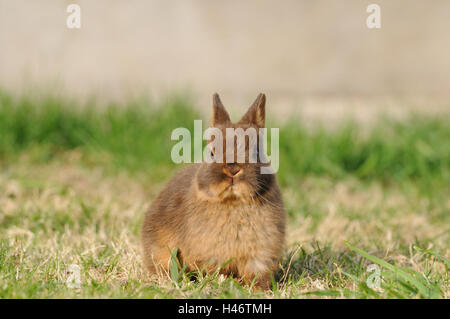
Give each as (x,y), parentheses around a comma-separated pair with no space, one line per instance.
(320,263)
(346,273)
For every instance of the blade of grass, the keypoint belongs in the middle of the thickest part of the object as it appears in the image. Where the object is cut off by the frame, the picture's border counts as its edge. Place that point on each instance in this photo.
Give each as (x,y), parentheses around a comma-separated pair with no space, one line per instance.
(423,289)
(435,254)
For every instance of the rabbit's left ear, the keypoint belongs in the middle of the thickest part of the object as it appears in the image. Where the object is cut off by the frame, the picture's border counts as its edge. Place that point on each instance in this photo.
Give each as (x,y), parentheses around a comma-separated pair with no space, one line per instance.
(256,114)
(219,114)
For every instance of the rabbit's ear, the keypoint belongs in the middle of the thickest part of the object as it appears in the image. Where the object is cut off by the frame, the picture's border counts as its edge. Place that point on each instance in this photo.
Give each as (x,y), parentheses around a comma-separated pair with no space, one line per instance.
(256,114)
(219,114)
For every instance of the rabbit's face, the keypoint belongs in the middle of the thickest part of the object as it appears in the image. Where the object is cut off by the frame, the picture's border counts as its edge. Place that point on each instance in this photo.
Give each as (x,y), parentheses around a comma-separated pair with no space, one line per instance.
(226,176)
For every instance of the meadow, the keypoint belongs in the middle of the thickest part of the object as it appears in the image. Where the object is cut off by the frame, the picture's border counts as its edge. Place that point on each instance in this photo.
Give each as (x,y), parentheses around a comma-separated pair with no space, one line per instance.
(76,180)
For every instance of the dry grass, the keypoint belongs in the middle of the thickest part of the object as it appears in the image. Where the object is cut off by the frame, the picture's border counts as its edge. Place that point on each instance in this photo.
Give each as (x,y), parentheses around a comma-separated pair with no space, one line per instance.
(54,215)
(75,183)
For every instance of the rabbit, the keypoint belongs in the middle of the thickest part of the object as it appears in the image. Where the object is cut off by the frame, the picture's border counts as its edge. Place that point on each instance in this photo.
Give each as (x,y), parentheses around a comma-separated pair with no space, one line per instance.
(214,213)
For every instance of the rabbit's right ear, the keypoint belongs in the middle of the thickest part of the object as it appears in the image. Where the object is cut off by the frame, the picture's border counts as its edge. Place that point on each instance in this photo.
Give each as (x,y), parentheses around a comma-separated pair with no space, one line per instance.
(219,114)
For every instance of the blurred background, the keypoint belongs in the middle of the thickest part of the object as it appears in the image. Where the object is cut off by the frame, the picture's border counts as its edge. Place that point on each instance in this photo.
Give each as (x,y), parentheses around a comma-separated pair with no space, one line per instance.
(317,57)
(86,117)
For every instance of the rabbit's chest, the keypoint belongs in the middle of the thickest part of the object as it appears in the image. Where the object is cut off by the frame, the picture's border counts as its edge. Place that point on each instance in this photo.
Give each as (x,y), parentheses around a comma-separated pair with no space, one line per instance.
(235,232)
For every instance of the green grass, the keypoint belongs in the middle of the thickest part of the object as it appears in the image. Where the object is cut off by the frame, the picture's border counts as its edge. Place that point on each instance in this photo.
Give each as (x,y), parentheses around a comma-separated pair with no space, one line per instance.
(416,149)
(75,181)
(137,136)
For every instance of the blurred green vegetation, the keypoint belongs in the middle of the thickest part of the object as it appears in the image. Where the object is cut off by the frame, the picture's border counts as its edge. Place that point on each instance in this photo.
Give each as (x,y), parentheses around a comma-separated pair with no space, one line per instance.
(413,154)
(136,136)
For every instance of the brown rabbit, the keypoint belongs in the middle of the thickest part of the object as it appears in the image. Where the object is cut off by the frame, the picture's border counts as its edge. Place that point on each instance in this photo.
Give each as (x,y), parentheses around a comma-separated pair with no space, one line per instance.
(217,212)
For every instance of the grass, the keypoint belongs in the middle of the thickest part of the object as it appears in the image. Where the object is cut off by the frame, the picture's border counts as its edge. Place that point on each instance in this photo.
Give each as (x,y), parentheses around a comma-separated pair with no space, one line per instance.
(75,181)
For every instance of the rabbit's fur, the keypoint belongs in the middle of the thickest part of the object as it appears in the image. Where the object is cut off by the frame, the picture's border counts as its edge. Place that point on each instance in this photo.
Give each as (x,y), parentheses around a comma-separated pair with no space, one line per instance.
(212,216)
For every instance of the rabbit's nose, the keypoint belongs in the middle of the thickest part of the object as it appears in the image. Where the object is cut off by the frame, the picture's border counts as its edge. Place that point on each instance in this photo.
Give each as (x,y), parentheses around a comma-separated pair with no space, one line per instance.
(232,170)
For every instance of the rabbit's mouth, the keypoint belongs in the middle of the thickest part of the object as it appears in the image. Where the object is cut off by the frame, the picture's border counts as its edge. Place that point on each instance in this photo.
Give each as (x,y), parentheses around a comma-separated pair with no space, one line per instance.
(235,190)
(227,189)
